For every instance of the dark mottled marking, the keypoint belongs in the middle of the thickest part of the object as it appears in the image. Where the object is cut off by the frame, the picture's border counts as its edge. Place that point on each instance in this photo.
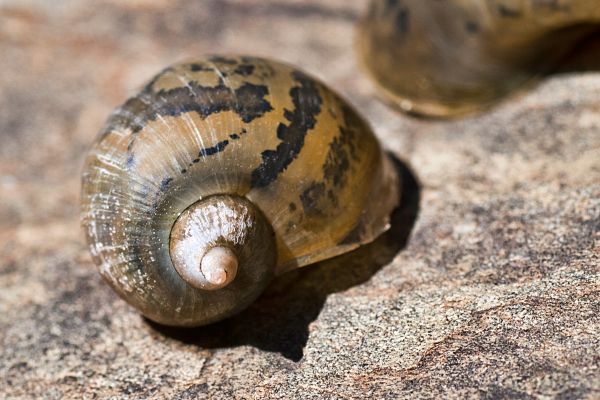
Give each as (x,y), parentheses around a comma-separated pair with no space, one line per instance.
(508,12)
(183,171)
(265,71)
(310,198)
(402,21)
(165,184)
(127,116)
(292,207)
(342,150)
(195,67)
(307,105)
(209,151)
(244,69)
(332,197)
(248,101)
(223,60)
(472,27)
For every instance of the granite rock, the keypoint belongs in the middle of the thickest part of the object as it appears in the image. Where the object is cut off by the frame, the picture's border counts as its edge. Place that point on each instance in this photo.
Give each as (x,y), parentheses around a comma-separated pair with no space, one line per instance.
(486,286)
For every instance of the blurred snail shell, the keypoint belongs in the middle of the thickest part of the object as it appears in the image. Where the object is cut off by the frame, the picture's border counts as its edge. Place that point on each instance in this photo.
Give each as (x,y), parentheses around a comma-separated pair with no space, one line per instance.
(222,173)
(444,58)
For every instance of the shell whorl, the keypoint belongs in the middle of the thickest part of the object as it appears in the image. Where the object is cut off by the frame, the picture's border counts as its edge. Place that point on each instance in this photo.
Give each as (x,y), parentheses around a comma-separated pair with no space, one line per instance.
(216,237)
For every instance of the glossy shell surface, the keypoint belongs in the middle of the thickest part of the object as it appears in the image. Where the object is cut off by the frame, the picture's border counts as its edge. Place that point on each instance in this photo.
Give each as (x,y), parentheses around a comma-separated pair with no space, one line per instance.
(451,57)
(237,126)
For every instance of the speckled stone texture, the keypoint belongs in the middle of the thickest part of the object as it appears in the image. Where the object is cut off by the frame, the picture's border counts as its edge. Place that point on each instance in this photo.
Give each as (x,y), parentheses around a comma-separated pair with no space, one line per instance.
(487,286)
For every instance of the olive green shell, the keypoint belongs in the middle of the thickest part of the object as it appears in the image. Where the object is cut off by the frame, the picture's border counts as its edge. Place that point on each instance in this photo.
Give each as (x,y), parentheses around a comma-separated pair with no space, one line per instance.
(236,126)
(443,58)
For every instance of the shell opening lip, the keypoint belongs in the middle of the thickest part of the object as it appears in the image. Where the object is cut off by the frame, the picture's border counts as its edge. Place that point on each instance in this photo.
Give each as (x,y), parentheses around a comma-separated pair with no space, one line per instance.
(219,266)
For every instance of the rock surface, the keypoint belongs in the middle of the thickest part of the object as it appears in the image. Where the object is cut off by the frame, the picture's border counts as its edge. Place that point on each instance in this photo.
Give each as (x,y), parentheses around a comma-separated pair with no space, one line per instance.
(487,286)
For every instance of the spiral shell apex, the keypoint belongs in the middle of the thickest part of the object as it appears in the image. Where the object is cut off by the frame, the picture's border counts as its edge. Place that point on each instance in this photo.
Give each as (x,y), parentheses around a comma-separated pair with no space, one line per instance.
(222,173)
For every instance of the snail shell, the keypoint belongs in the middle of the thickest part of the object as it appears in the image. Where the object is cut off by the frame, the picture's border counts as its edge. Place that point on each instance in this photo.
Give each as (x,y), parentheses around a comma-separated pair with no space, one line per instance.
(444,58)
(222,173)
